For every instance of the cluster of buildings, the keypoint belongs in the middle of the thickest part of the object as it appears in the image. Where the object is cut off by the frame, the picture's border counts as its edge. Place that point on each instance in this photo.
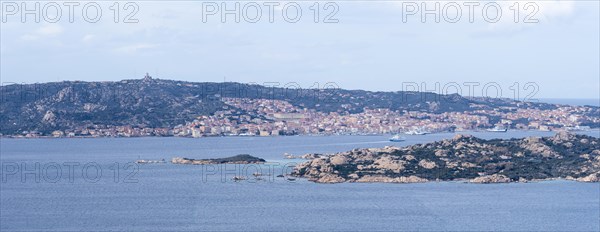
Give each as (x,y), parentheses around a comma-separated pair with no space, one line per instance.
(544,120)
(103,131)
(262,117)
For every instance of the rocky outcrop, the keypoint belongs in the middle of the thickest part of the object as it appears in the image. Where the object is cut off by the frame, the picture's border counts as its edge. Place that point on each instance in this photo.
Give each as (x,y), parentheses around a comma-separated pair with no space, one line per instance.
(49,117)
(491,179)
(386,179)
(310,156)
(334,178)
(329,178)
(534,144)
(238,159)
(594,177)
(567,156)
(427,164)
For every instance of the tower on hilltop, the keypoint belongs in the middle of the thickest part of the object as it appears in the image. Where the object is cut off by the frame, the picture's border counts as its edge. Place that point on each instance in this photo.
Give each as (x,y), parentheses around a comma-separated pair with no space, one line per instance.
(147,77)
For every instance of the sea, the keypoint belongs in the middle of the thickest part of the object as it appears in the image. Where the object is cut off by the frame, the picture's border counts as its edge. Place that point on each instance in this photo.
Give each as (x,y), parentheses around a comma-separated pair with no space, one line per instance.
(571,101)
(93,184)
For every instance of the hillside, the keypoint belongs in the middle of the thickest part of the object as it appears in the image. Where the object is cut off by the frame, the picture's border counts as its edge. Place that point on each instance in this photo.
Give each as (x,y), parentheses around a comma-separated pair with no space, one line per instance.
(157,103)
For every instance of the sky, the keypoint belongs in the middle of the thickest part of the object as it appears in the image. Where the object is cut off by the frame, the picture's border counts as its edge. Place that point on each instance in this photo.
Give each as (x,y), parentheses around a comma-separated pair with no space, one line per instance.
(371,45)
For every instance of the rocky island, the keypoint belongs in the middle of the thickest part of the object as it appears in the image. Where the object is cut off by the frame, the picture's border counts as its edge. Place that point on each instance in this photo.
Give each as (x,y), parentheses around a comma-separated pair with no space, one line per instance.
(464,158)
(238,159)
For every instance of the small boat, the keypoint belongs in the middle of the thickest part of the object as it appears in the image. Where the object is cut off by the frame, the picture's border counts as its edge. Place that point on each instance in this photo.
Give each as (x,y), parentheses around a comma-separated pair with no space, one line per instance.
(498,129)
(291,179)
(397,138)
(280,176)
(238,178)
(257,174)
(142,161)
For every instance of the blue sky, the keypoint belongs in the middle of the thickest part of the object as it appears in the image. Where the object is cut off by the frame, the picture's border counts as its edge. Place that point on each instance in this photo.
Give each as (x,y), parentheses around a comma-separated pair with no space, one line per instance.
(369,48)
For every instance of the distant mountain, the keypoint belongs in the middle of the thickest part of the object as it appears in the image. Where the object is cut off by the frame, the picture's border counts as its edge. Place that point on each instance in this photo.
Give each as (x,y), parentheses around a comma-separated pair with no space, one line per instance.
(165,103)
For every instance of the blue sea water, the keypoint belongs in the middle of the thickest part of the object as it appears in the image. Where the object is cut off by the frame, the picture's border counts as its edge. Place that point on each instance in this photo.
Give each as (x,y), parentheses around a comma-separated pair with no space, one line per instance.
(572,101)
(167,197)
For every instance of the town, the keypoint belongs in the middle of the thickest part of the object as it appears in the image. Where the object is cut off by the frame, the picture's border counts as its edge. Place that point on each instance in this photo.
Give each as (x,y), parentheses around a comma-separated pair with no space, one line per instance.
(264,117)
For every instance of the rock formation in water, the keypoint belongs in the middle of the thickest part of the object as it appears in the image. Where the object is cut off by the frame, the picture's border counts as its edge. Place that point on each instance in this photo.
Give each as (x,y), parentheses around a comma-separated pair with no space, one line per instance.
(567,156)
(238,159)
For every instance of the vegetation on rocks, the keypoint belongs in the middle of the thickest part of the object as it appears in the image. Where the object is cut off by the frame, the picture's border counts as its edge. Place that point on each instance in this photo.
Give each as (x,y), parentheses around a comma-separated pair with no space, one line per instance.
(238,159)
(565,155)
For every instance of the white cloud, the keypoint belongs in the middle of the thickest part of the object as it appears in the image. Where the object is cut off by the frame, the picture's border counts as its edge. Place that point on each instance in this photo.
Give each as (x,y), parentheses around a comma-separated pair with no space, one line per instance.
(48,30)
(543,10)
(556,8)
(537,11)
(88,38)
(29,37)
(134,48)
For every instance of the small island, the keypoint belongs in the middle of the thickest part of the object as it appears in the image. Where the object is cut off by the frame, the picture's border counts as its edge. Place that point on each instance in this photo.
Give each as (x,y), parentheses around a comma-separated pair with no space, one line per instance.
(238,159)
(464,158)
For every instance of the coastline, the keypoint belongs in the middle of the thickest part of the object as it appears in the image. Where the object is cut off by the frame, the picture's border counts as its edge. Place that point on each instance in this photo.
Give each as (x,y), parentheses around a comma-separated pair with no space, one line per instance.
(243,144)
(298,135)
(464,157)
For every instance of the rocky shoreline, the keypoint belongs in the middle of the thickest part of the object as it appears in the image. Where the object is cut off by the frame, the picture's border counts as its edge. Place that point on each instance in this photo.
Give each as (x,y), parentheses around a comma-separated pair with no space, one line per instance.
(238,159)
(466,158)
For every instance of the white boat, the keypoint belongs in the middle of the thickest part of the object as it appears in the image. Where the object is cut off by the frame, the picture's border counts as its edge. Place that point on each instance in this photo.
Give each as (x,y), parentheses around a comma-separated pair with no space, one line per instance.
(397,138)
(498,129)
